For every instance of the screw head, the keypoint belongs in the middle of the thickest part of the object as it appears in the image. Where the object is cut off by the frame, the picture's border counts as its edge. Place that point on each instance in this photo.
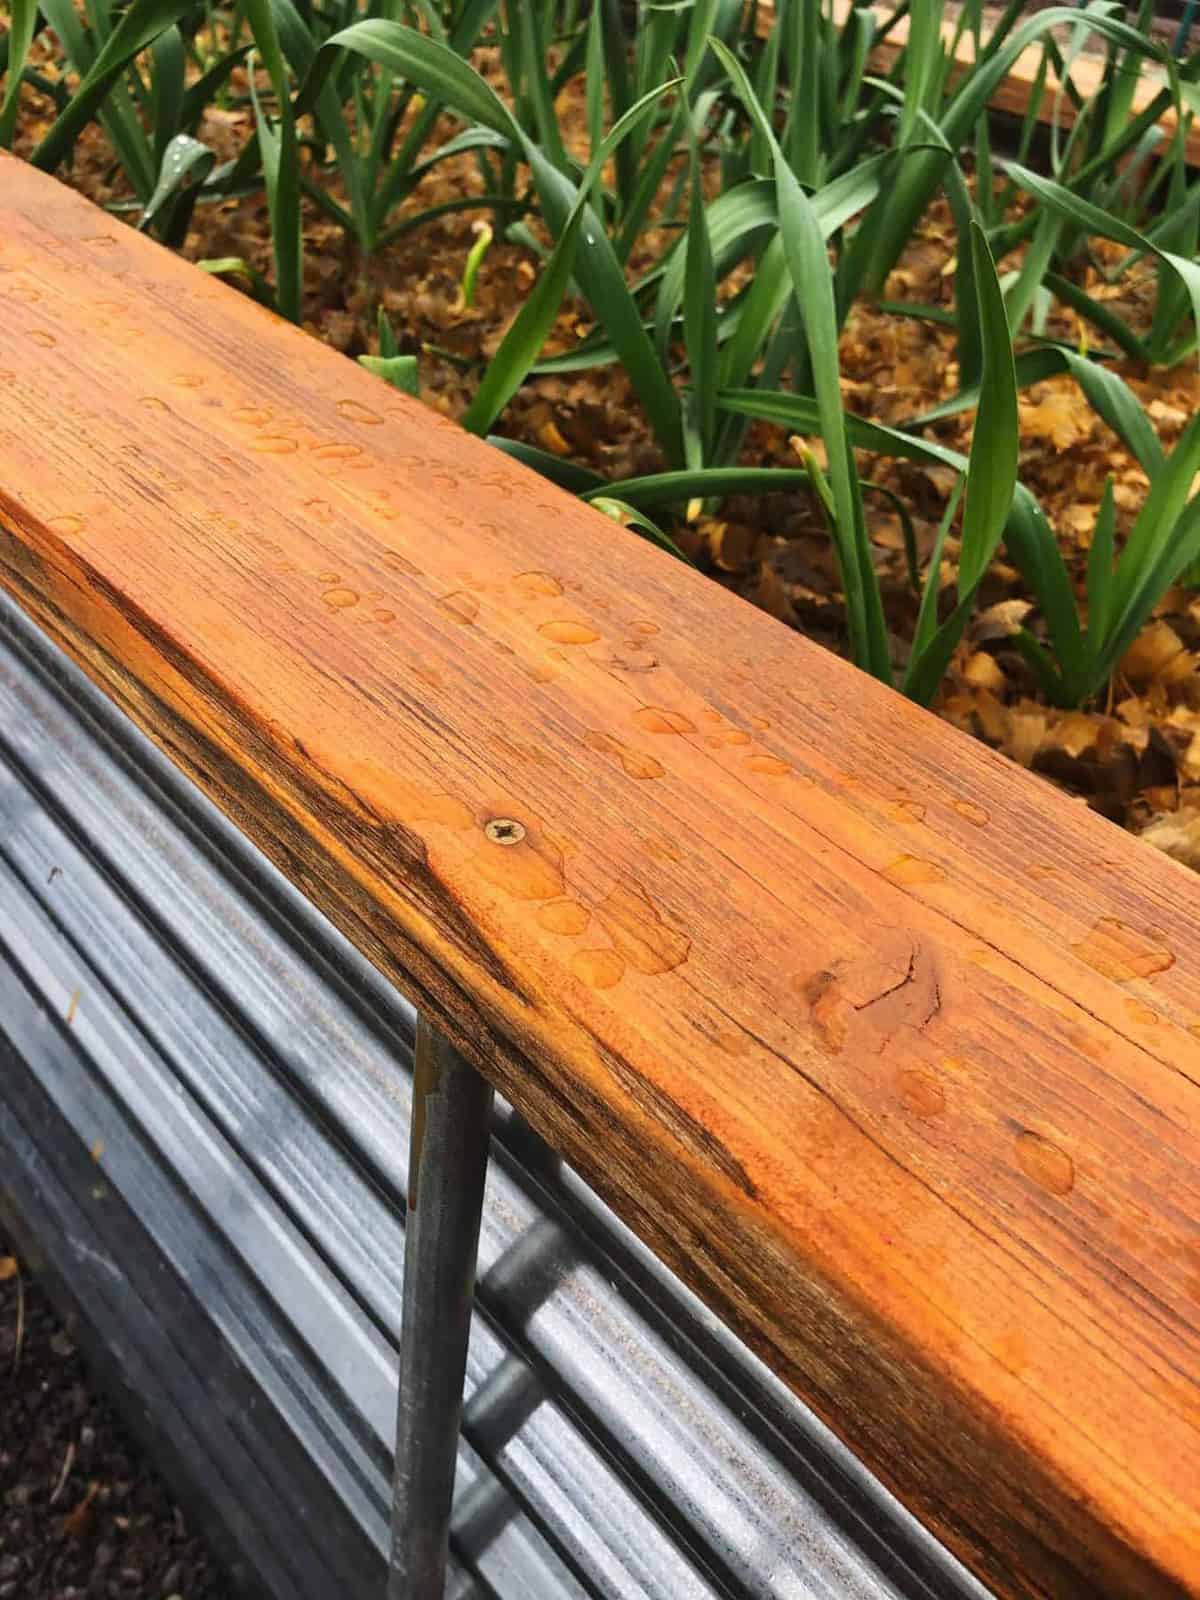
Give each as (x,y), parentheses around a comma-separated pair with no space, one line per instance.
(505,830)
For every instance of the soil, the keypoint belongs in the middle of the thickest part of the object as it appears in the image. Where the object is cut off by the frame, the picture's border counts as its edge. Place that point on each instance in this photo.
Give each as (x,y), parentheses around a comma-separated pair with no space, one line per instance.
(1135,757)
(83,1516)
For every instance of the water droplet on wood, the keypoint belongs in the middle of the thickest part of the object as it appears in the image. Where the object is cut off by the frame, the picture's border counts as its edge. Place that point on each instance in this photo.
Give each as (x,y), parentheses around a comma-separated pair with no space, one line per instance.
(599,969)
(630,658)
(633,762)
(921,1093)
(655,719)
(460,605)
(531,869)
(566,917)
(337,450)
(912,869)
(979,816)
(568,632)
(354,411)
(1044,1163)
(1118,951)
(638,932)
(768,766)
(402,563)
(538,583)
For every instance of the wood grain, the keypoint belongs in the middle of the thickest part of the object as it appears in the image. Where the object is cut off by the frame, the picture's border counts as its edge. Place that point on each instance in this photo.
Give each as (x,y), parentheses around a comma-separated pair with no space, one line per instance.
(890,1049)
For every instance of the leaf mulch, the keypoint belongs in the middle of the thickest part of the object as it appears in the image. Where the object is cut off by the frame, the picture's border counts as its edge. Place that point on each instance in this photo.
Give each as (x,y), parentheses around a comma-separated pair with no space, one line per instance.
(82,1514)
(1135,758)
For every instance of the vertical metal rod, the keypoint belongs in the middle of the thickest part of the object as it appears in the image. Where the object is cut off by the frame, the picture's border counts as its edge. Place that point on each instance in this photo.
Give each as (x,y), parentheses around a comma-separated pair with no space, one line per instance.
(451,1116)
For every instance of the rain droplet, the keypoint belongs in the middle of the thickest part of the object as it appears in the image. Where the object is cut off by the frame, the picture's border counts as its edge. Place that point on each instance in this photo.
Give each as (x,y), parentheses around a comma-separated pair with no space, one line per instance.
(567,917)
(654,719)
(633,762)
(68,523)
(340,599)
(922,1094)
(461,605)
(401,563)
(907,811)
(1044,1163)
(636,927)
(912,869)
(978,815)
(768,766)
(337,450)
(631,659)
(600,969)
(538,583)
(567,632)
(354,412)
(1118,951)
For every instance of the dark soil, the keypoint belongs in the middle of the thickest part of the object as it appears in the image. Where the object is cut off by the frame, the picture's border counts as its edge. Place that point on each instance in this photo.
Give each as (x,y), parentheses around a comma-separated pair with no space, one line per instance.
(82,1513)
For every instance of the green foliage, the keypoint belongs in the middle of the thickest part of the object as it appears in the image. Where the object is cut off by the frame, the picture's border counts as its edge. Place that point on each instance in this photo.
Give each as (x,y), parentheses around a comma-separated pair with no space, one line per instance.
(721,301)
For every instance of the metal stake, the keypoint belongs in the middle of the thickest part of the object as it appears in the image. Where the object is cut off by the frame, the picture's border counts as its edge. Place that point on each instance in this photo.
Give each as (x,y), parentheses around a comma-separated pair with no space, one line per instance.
(451,1117)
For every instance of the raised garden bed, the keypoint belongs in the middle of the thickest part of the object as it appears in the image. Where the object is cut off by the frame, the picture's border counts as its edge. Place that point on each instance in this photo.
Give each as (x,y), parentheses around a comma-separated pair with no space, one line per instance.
(884,1045)
(803,980)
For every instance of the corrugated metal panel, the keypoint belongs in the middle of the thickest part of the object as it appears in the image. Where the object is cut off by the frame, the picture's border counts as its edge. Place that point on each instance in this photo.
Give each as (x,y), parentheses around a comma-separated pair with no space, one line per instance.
(247,1077)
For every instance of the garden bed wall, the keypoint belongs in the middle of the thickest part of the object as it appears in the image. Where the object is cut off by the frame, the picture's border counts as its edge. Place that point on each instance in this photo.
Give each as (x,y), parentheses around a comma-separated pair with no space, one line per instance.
(891,1051)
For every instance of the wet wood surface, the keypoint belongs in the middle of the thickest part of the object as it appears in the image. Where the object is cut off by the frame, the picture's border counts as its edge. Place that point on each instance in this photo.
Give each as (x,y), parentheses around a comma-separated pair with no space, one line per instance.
(889,1048)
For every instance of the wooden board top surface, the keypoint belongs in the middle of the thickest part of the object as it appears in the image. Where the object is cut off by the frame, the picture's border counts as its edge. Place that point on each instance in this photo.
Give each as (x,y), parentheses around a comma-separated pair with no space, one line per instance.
(889,1048)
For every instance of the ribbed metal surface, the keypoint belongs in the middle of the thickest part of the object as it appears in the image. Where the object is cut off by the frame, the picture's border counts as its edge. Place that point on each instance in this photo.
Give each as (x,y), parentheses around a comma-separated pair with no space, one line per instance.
(227,1208)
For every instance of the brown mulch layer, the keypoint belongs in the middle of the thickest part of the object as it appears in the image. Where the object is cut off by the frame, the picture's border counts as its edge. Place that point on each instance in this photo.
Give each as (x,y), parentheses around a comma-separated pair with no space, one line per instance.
(1136,757)
(82,1514)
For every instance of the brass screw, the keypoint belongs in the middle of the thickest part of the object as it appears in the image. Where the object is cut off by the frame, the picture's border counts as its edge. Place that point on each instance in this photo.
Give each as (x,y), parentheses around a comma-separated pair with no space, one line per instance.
(504,830)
